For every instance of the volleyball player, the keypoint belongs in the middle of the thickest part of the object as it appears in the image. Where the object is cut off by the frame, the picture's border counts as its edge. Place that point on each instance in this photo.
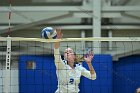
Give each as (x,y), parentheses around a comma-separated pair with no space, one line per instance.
(69,73)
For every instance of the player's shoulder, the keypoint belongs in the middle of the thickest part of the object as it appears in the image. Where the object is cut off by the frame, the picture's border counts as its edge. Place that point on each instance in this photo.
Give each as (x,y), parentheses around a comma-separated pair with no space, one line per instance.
(79,66)
(65,61)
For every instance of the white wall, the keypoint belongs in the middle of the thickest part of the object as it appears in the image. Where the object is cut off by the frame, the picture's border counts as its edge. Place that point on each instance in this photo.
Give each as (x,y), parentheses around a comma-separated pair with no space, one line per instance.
(14,88)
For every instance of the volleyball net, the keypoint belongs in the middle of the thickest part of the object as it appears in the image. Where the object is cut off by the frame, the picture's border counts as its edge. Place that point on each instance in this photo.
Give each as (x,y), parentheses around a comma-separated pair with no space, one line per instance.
(27,64)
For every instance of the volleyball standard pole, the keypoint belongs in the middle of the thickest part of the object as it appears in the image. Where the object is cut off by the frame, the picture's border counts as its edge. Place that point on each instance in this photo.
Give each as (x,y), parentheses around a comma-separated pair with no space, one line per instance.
(8,67)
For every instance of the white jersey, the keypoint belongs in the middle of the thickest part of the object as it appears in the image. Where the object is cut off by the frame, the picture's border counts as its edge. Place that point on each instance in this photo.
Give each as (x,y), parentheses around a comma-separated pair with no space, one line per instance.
(68,78)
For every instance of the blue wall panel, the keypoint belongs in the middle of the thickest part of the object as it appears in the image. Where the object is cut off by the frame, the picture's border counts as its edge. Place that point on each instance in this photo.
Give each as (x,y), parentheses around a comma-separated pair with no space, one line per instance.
(103,84)
(43,79)
(126,74)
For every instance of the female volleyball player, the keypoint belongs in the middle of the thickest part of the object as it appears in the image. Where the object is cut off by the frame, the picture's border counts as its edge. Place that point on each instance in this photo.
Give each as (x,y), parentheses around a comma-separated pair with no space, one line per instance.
(69,73)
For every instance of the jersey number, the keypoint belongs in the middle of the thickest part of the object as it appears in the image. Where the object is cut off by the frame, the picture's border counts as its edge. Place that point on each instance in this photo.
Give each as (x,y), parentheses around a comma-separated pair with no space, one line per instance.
(71,81)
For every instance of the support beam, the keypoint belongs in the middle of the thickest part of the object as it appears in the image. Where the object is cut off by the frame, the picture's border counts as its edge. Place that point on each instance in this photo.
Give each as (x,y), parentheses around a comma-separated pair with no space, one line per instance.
(104,15)
(110,42)
(120,8)
(41,8)
(68,8)
(4,27)
(117,27)
(24,26)
(96,30)
(83,36)
(131,15)
(87,27)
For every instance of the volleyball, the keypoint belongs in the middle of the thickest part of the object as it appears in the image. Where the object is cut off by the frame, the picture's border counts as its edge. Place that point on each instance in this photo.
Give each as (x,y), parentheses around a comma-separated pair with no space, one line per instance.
(48,33)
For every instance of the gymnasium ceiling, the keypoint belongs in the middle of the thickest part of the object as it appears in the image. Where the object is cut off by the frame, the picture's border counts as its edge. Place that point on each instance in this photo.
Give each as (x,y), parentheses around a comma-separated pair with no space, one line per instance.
(35,14)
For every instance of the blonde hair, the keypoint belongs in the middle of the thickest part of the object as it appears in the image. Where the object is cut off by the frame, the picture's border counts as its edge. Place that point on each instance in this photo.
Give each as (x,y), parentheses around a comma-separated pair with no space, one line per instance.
(79,58)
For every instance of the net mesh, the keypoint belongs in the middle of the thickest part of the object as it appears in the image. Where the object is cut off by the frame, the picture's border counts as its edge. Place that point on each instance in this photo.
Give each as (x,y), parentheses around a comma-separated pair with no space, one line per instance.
(33,70)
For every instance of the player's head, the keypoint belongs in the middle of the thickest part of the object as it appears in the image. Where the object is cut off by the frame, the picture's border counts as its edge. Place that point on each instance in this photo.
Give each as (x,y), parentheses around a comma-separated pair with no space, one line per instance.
(69,55)
(138,90)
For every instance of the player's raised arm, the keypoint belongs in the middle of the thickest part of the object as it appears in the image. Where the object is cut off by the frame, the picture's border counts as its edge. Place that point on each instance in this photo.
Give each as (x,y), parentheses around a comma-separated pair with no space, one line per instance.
(58,61)
(88,58)
(91,74)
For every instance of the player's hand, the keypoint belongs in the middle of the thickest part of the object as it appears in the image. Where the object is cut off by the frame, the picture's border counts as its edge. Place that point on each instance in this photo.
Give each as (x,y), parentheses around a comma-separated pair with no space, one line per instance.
(88,57)
(59,36)
(59,33)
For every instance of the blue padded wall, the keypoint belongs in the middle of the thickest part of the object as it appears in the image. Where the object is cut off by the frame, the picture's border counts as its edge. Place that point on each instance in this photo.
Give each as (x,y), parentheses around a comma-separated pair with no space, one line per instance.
(126,74)
(103,84)
(43,79)
(40,80)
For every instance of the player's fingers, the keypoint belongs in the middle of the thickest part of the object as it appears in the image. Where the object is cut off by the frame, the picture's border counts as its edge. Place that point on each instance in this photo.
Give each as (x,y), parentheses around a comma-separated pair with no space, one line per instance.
(58,29)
